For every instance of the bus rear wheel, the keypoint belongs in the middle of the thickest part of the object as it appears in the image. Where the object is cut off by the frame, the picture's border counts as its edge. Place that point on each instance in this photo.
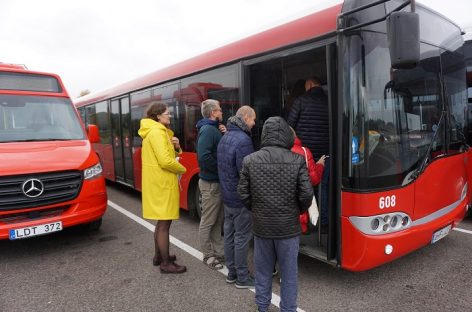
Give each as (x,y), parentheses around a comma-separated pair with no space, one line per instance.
(198,202)
(195,200)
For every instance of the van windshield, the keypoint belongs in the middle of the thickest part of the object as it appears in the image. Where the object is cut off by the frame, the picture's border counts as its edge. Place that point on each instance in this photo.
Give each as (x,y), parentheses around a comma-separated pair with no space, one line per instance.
(38,118)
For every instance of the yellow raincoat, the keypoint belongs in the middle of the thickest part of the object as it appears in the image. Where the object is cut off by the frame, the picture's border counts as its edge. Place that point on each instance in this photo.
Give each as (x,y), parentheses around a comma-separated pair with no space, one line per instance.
(160,170)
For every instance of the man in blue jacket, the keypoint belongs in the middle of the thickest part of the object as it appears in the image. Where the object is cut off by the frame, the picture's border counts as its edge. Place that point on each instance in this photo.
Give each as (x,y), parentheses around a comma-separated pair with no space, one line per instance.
(233,147)
(209,135)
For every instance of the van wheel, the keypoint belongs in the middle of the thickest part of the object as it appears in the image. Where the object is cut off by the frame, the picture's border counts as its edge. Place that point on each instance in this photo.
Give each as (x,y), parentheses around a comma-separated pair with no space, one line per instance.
(94,226)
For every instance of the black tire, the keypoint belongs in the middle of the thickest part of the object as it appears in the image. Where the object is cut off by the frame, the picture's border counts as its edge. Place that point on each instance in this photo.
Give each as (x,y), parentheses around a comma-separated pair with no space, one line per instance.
(94,226)
(194,200)
(198,202)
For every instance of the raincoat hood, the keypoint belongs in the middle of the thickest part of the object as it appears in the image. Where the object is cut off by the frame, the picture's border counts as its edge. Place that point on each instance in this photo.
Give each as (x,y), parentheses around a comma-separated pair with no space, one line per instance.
(277,132)
(147,124)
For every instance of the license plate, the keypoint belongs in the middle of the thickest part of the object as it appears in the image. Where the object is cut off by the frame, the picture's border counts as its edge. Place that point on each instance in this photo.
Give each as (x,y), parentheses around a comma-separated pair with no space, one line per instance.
(35,230)
(441,233)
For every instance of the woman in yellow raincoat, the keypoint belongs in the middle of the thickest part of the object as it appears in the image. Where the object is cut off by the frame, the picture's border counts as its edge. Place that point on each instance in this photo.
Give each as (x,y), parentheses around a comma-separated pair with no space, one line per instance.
(160,186)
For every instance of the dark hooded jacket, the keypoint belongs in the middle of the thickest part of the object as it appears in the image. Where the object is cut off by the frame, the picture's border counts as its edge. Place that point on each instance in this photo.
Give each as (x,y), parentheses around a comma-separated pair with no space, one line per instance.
(274,183)
(233,147)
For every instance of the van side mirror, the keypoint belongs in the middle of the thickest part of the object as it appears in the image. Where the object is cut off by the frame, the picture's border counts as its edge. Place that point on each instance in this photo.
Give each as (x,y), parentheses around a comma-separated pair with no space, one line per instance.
(92,132)
(403,32)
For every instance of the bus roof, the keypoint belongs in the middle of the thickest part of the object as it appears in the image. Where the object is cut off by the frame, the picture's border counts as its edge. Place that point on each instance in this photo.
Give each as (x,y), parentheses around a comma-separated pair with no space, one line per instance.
(300,30)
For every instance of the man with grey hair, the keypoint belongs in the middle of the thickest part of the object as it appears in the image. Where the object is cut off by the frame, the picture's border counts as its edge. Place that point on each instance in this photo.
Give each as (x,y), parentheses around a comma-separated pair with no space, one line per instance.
(233,147)
(210,131)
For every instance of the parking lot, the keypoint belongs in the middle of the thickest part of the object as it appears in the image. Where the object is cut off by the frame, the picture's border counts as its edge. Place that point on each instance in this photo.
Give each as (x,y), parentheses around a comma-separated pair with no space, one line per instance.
(111,270)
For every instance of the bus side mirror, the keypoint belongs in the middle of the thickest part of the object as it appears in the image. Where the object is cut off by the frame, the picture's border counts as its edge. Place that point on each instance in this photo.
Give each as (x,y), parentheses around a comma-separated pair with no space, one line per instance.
(403,31)
(92,132)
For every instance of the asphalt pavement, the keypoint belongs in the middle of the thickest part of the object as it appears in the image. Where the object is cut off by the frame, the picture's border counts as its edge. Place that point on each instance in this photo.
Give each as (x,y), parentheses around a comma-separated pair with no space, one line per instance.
(111,270)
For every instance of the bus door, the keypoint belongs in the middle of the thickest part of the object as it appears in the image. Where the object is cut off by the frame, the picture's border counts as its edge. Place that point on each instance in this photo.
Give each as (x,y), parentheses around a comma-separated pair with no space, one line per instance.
(272,83)
(121,134)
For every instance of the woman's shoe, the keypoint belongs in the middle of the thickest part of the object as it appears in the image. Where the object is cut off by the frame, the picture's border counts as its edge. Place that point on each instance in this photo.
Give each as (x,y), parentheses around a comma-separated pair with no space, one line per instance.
(172,268)
(157,260)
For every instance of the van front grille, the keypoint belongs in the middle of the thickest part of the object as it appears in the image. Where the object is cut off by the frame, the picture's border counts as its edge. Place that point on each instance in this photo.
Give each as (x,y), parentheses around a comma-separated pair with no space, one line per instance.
(43,189)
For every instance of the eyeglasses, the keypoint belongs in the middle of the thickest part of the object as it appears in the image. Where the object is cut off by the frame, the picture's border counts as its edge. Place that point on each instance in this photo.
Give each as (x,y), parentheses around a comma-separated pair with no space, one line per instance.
(168,114)
(217,109)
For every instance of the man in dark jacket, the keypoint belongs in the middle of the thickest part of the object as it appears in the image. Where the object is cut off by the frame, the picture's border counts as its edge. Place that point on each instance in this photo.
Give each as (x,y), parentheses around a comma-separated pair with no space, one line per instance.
(209,135)
(309,118)
(275,185)
(233,147)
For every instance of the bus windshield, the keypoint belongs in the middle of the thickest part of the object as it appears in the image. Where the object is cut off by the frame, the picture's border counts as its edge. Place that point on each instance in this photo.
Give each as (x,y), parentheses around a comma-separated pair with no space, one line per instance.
(38,118)
(395,121)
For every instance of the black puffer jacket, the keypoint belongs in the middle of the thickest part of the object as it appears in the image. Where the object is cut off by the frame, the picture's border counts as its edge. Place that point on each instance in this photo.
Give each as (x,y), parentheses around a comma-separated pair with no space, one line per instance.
(274,183)
(309,118)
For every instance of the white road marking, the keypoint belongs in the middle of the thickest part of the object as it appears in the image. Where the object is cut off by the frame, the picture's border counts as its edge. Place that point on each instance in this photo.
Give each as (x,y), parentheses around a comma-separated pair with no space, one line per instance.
(462,230)
(178,243)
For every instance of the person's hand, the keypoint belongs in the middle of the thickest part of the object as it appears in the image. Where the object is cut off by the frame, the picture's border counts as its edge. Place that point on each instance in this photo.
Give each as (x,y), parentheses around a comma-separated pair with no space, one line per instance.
(321,161)
(222,128)
(175,142)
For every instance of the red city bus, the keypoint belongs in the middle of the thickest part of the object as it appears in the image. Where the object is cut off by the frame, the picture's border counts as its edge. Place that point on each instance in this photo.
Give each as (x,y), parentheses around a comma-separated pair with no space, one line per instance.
(50,177)
(398,178)
(468,62)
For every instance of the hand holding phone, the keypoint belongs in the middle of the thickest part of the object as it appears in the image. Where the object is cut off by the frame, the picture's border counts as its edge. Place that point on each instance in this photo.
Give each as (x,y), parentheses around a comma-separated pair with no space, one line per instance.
(321,161)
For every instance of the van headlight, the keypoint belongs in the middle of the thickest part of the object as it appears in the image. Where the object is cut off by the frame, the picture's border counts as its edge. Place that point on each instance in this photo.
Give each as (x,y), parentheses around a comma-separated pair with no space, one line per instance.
(93,172)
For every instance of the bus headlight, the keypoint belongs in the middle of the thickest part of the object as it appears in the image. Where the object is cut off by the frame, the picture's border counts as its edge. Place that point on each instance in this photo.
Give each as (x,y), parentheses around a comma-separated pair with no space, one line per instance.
(382,224)
(375,224)
(93,172)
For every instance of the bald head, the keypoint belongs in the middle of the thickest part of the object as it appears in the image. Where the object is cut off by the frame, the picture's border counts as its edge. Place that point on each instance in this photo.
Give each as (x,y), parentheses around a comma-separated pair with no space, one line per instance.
(312,82)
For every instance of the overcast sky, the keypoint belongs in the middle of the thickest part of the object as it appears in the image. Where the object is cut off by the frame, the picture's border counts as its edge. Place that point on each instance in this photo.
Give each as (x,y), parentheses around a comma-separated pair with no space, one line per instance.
(96,44)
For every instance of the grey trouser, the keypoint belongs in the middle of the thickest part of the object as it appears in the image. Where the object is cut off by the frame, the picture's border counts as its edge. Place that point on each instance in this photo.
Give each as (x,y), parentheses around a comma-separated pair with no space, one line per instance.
(209,231)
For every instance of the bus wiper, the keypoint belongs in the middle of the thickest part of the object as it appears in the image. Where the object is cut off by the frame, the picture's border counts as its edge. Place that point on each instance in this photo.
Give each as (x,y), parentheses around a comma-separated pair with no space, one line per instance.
(463,139)
(424,162)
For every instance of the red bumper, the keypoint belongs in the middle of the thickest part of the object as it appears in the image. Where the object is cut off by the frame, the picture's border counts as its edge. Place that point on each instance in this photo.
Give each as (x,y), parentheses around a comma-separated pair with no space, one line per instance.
(89,206)
(362,252)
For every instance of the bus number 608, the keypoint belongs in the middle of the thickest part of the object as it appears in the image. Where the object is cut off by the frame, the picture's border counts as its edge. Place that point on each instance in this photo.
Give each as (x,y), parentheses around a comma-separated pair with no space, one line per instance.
(387,202)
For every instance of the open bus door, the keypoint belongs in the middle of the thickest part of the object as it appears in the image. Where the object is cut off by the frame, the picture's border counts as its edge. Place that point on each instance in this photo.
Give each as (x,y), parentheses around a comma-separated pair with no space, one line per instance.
(271,87)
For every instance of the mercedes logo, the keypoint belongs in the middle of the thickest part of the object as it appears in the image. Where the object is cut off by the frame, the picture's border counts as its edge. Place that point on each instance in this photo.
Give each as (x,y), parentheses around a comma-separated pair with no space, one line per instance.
(33,188)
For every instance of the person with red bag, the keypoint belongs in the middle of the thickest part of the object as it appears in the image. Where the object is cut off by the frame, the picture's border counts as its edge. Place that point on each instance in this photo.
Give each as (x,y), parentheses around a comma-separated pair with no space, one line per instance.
(315,171)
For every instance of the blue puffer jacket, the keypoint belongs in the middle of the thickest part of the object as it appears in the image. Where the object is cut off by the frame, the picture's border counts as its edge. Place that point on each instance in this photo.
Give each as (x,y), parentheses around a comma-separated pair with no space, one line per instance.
(233,147)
